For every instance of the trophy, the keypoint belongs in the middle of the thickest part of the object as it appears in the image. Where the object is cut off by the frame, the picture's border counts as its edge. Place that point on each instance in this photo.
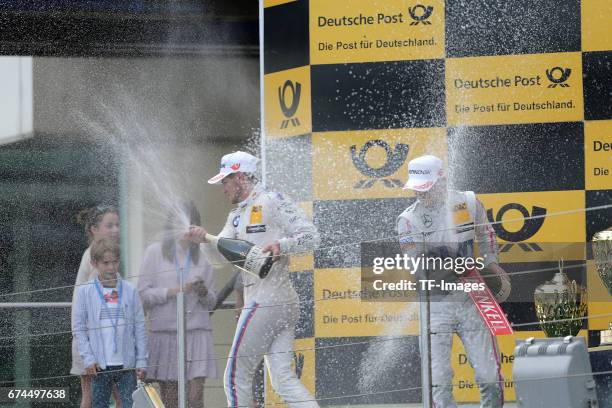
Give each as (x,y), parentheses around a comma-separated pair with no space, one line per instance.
(560,303)
(602,255)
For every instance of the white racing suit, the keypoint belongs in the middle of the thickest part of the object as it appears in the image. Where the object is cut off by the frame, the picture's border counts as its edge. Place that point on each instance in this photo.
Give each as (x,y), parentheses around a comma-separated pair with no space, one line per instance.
(266,324)
(450,228)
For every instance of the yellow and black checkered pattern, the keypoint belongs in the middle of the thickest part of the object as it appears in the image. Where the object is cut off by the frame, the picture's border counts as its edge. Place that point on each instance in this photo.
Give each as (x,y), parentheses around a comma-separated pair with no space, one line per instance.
(515,96)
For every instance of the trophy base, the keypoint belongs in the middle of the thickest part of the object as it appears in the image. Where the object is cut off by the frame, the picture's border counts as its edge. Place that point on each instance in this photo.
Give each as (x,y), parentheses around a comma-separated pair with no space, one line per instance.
(606,337)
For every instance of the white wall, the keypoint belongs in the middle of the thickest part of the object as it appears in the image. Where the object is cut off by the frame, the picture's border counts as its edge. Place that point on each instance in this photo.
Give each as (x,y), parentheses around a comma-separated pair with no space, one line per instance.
(15,98)
(210,98)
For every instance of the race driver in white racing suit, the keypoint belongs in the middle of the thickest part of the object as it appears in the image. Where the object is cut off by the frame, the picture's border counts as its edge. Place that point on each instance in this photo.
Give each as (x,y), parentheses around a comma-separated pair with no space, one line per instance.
(444,222)
(267,322)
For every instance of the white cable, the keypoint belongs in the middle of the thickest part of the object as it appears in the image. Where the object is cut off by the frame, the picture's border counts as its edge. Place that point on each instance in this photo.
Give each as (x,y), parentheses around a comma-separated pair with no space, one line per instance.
(393,237)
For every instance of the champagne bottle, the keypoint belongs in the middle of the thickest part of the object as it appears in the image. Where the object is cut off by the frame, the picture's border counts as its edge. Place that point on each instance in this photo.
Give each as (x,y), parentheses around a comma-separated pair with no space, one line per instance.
(243,254)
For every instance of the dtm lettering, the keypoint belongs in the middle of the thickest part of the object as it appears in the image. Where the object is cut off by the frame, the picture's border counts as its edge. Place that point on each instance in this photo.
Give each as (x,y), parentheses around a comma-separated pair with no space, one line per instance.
(359,20)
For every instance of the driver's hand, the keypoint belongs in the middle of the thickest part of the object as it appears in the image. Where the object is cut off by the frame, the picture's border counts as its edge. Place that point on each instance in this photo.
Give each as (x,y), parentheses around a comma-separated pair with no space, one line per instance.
(274,249)
(197,234)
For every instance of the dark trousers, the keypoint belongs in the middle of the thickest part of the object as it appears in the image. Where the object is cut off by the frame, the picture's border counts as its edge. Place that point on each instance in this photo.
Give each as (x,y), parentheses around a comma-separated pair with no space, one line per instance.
(102,386)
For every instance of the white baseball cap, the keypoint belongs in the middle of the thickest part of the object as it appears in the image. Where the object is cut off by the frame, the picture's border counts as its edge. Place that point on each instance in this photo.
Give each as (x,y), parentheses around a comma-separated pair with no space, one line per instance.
(233,163)
(423,172)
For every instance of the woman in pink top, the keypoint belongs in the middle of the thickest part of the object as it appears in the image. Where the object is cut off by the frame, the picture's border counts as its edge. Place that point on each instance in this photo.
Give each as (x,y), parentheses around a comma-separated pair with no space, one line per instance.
(98,222)
(158,285)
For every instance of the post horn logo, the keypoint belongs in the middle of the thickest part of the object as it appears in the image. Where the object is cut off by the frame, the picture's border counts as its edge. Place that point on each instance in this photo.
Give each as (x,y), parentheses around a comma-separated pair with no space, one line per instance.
(289,111)
(298,360)
(395,159)
(529,229)
(558,76)
(420,14)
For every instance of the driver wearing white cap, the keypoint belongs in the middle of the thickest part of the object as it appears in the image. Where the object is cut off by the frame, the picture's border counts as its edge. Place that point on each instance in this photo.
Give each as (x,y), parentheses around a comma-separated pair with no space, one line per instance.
(266,324)
(446,222)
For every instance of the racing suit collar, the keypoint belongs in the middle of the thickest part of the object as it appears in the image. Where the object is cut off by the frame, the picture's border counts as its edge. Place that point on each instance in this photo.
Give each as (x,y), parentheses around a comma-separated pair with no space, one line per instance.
(437,205)
(257,188)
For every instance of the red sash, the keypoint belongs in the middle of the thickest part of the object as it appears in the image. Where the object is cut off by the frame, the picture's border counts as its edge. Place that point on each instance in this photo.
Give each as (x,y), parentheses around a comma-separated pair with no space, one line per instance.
(487,306)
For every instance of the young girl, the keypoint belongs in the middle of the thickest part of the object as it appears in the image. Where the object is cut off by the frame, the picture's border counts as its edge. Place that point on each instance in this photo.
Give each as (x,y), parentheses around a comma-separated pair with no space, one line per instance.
(98,222)
(110,328)
(158,285)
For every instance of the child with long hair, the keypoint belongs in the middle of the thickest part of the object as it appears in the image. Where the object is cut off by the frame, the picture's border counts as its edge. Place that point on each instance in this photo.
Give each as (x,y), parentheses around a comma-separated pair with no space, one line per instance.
(162,265)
